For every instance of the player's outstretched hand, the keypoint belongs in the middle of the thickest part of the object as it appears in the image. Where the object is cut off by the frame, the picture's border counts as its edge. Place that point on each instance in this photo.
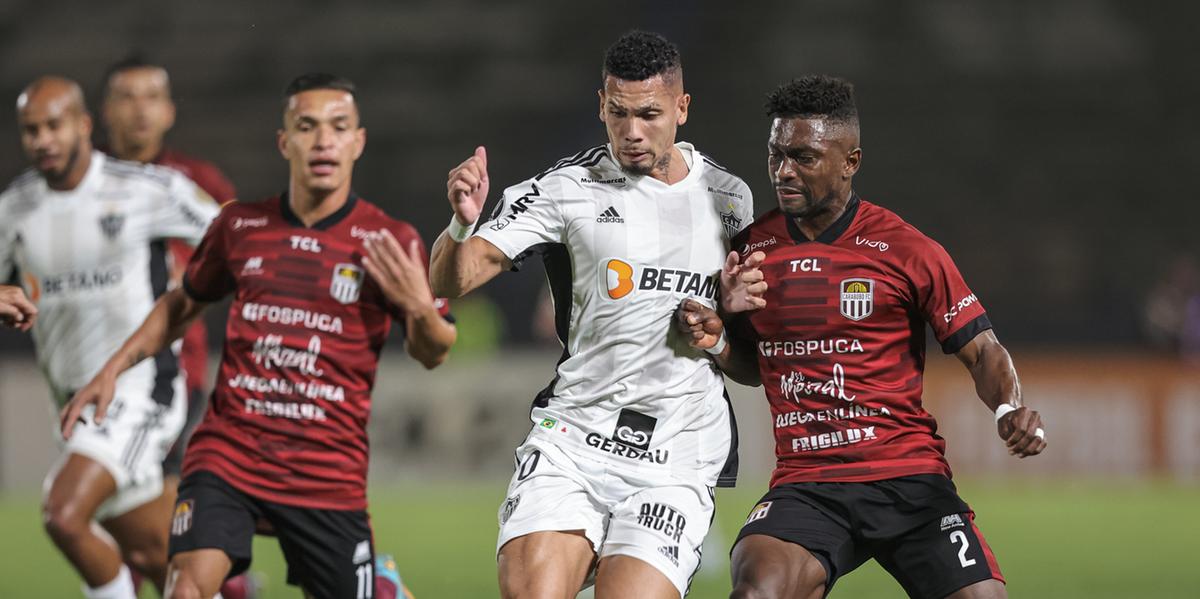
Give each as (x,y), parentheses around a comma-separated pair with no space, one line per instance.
(1022,432)
(16,310)
(98,392)
(699,323)
(742,285)
(400,273)
(467,187)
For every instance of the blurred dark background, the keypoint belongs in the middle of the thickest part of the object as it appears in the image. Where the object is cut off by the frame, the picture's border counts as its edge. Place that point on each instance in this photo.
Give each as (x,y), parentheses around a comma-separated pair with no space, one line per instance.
(1048,145)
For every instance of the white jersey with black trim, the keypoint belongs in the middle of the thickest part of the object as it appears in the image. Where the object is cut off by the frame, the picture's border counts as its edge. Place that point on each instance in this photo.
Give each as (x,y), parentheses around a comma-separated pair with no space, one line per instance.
(621,252)
(93,260)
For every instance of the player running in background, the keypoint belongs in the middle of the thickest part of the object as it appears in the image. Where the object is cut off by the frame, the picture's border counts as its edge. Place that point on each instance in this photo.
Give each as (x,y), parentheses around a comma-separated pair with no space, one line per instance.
(616,477)
(86,234)
(840,350)
(137,112)
(283,447)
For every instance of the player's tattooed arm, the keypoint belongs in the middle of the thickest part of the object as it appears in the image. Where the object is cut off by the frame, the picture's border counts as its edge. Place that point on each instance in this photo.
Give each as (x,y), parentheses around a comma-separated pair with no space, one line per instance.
(16,310)
(704,330)
(167,321)
(997,385)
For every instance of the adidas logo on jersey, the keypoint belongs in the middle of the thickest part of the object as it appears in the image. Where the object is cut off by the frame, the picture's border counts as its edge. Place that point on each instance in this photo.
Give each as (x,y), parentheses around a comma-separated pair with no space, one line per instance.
(671,552)
(610,216)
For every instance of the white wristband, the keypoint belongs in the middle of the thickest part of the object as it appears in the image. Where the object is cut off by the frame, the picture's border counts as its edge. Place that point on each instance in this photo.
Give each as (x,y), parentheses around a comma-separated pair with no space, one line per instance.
(1005,408)
(720,346)
(459,232)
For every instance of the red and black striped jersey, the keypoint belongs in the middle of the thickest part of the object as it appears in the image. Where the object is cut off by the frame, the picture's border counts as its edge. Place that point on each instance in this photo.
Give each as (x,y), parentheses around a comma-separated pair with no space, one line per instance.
(841,343)
(288,418)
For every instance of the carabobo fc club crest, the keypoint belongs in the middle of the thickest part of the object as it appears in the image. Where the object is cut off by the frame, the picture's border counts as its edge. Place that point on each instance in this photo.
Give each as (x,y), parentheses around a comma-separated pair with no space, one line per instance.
(346,283)
(858,298)
(111,224)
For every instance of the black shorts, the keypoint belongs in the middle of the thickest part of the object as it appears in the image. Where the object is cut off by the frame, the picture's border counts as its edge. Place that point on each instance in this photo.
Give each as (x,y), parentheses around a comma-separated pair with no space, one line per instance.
(916,527)
(172,465)
(329,553)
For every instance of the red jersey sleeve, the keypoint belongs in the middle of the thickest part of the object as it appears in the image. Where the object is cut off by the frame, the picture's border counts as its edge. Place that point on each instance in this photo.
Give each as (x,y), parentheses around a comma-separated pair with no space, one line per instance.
(213,181)
(405,234)
(945,300)
(208,277)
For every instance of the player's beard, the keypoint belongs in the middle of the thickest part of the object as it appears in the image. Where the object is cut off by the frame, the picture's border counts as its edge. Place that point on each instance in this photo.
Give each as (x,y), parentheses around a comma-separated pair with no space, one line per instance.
(659,164)
(54,177)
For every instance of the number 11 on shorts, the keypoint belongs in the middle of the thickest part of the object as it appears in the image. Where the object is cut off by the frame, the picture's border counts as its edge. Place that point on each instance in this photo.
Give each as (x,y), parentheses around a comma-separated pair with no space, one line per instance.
(366,580)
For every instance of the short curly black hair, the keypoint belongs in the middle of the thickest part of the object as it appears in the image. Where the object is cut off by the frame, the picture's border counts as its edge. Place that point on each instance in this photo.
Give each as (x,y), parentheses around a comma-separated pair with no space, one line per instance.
(135,60)
(640,55)
(821,96)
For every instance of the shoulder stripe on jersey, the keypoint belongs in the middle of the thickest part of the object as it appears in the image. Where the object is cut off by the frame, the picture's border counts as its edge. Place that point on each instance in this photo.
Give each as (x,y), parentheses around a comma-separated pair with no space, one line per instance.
(713,163)
(128,170)
(587,158)
(25,178)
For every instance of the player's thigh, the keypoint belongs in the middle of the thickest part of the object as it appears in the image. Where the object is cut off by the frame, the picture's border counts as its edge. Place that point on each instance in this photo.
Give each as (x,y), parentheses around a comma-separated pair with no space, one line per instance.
(545,565)
(793,545)
(142,532)
(212,515)
(620,576)
(196,574)
(551,523)
(663,527)
(942,557)
(74,490)
(330,554)
(767,567)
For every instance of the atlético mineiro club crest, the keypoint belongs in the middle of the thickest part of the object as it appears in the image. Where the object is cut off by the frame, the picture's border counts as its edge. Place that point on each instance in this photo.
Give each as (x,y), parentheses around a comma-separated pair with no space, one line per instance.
(111,224)
(858,298)
(346,283)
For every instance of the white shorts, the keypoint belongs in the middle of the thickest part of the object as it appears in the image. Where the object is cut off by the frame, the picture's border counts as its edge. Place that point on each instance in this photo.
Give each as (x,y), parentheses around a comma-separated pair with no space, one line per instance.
(131,443)
(663,526)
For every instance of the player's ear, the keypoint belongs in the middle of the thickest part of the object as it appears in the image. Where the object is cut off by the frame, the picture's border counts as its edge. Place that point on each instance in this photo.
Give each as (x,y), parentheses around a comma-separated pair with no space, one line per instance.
(682,104)
(85,125)
(360,141)
(600,93)
(853,161)
(170,114)
(281,142)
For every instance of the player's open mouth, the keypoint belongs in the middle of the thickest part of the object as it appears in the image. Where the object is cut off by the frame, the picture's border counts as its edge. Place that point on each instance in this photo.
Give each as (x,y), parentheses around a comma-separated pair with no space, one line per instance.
(322,167)
(46,161)
(788,192)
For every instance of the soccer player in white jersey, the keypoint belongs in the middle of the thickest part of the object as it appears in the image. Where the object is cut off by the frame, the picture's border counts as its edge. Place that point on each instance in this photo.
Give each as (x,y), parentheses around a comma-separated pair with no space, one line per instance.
(85,234)
(615,479)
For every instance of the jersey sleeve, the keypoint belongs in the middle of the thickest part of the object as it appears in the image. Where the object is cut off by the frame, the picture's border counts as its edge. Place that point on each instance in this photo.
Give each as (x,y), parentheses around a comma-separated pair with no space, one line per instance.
(214,183)
(745,209)
(945,300)
(184,211)
(524,219)
(208,277)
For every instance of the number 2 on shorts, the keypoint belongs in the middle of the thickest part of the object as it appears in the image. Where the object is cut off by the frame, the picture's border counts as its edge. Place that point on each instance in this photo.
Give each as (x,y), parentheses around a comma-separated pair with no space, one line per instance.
(960,536)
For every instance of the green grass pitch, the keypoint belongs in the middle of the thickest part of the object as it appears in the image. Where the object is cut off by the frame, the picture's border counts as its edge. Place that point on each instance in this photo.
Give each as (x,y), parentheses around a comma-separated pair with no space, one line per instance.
(1060,540)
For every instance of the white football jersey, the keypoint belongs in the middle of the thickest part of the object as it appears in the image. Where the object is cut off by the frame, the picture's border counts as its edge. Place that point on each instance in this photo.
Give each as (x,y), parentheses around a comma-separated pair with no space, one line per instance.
(93,260)
(621,252)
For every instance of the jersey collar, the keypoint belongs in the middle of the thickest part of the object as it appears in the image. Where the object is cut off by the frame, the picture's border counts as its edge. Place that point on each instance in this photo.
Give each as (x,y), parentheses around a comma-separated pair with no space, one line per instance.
(290,217)
(831,233)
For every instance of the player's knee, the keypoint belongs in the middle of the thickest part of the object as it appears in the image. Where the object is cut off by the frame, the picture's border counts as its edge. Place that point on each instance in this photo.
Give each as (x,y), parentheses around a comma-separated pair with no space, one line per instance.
(182,587)
(64,521)
(149,559)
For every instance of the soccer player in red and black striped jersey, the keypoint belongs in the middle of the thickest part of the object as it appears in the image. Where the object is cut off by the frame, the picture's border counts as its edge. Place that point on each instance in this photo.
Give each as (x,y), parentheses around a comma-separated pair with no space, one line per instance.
(840,350)
(317,274)
(137,112)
